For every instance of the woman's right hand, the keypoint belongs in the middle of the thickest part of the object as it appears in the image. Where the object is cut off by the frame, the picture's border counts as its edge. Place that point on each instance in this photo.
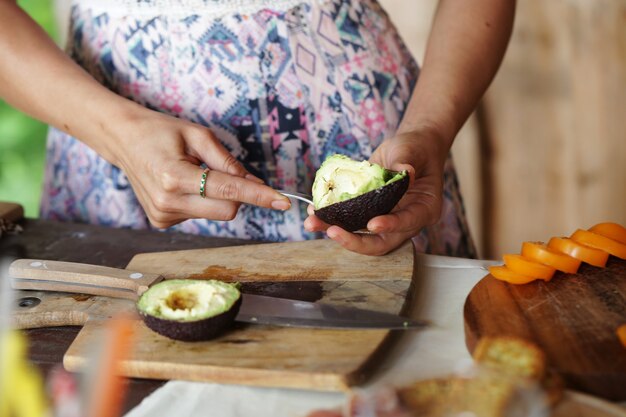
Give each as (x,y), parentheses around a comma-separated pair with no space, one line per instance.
(161,156)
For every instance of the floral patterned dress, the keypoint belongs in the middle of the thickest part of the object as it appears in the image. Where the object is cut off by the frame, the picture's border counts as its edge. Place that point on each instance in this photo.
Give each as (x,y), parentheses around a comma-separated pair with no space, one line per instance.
(282,84)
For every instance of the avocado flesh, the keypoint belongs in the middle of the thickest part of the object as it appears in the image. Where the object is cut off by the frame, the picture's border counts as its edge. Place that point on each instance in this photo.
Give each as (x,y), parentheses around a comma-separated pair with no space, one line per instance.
(340,178)
(190,310)
(349,193)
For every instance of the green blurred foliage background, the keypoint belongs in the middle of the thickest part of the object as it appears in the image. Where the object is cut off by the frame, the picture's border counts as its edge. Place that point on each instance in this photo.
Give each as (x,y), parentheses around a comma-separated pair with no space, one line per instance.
(22,139)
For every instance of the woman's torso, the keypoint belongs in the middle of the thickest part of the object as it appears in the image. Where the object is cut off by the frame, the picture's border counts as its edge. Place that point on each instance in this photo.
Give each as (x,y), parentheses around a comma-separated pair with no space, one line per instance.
(282,84)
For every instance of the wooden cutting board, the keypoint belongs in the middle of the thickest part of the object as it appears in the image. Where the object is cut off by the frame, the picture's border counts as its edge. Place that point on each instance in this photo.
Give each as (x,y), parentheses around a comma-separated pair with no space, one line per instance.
(573,318)
(249,354)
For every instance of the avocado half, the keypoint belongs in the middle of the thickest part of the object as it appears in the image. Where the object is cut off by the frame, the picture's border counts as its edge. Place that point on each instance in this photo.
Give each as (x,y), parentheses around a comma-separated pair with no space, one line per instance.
(349,193)
(190,310)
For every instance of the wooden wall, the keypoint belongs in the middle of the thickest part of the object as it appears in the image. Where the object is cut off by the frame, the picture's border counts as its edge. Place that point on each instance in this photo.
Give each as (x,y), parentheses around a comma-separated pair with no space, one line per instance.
(547,153)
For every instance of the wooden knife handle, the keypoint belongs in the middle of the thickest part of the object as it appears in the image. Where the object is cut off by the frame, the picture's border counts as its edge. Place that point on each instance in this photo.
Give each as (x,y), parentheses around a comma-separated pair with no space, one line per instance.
(37,274)
(36,309)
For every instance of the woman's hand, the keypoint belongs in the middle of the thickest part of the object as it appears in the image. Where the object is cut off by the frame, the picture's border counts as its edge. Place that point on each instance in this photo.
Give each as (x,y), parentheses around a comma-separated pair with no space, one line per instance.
(161,156)
(422,153)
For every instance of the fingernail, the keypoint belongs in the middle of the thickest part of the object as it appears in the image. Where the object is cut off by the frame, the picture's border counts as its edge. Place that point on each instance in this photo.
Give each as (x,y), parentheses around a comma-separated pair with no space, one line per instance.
(281,204)
(255,179)
(374,227)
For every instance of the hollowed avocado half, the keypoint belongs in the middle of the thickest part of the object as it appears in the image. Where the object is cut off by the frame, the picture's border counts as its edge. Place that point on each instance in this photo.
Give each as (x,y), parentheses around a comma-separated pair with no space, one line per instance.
(190,310)
(349,193)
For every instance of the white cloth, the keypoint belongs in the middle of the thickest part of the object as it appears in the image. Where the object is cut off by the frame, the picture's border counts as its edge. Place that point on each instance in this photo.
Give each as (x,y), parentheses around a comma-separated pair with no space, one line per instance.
(442,284)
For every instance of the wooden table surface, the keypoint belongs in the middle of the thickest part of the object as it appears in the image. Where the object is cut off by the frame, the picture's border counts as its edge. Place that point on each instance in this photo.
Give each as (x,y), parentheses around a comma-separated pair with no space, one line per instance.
(111,247)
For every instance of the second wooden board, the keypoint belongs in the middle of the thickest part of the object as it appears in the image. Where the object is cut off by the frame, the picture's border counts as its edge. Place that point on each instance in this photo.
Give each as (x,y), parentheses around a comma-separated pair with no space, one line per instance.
(573,318)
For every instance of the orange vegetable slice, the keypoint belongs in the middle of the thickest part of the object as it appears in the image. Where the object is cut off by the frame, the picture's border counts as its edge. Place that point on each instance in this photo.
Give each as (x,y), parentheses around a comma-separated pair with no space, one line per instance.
(597,241)
(539,252)
(592,256)
(611,230)
(524,266)
(505,274)
(621,334)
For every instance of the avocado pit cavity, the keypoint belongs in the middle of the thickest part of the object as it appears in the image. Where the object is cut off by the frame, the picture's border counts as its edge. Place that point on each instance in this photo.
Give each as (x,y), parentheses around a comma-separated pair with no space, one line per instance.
(181,300)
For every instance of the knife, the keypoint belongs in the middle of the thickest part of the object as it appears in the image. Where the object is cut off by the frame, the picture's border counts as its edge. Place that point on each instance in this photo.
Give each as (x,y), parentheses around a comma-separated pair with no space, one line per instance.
(45,275)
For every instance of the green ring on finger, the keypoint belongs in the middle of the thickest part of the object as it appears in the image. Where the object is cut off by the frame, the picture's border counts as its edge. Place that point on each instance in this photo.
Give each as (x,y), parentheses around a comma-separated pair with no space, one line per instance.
(205,173)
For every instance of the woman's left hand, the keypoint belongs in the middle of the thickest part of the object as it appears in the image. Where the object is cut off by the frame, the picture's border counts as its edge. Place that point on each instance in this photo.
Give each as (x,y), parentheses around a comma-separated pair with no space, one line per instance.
(423,154)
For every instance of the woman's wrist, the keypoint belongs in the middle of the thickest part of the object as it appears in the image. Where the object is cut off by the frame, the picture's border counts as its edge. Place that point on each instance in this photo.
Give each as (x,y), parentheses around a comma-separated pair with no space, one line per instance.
(112,124)
(433,111)
(424,129)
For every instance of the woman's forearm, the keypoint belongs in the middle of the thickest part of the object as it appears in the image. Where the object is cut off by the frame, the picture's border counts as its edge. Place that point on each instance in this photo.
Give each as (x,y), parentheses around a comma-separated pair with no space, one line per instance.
(41,80)
(464,50)
(159,154)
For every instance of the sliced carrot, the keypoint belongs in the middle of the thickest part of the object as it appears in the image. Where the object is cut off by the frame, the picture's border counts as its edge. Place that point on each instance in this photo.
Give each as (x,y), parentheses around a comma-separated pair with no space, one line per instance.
(611,230)
(106,397)
(539,252)
(524,266)
(505,274)
(597,241)
(592,256)
(621,334)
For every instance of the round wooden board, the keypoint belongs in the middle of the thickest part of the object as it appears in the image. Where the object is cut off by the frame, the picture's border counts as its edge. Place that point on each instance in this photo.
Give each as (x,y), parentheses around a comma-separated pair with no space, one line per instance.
(573,318)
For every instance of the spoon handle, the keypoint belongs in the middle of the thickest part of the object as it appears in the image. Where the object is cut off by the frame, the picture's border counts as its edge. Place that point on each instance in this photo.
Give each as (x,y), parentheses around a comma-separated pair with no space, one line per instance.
(298,196)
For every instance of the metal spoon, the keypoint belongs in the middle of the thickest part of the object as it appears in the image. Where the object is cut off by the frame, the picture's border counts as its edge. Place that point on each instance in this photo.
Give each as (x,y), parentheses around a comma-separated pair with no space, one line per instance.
(298,196)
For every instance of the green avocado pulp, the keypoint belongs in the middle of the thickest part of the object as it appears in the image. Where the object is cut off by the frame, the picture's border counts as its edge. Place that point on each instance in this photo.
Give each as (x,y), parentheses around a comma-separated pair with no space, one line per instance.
(340,178)
(188,300)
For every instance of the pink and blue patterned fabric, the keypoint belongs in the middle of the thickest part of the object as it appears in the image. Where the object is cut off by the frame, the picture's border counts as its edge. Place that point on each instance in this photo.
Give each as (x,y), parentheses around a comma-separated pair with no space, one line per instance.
(281,88)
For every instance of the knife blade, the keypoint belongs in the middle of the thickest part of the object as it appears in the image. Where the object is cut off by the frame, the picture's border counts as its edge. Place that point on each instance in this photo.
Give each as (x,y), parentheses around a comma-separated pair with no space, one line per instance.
(44,275)
(261,309)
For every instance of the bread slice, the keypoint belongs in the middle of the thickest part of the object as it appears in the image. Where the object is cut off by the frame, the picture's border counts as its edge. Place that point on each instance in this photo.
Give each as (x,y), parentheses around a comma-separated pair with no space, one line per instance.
(488,394)
(427,397)
(511,355)
(508,371)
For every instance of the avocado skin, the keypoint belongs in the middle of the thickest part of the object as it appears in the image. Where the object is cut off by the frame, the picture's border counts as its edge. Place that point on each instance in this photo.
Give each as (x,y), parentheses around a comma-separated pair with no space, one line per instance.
(353,214)
(193,331)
